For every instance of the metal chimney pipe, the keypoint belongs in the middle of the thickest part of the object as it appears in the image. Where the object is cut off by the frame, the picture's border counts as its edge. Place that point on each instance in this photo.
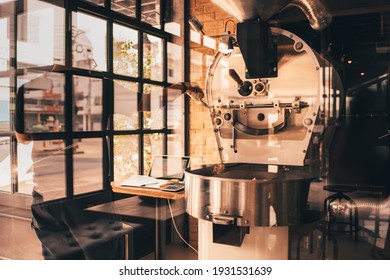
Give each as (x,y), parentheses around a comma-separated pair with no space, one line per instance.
(244,10)
(315,11)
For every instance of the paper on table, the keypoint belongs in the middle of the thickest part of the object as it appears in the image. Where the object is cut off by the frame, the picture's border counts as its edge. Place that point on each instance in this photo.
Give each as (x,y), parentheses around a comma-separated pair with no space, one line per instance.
(143,181)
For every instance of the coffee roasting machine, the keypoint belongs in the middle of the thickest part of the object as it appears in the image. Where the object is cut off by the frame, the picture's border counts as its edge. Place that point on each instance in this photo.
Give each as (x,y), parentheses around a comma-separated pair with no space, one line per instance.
(266,103)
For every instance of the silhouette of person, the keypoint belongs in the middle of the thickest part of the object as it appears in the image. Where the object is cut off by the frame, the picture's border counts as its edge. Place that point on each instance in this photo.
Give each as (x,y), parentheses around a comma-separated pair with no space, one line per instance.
(60,224)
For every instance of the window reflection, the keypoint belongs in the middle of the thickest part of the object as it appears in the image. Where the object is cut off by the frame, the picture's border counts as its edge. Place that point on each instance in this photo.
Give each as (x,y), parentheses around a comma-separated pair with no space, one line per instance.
(42,164)
(88,94)
(43,101)
(5,50)
(150,12)
(173,20)
(175,63)
(89,42)
(40,34)
(152,106)
(88,165)
(5,104)
(175,120)
(153,146)
(153,57)
(125,51)
(125,105)
(126,148)
(126,7)
(5,164)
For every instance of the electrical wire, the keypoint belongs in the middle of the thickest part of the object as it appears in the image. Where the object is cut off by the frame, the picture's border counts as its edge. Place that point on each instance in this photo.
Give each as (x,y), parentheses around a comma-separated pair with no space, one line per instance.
(177,231)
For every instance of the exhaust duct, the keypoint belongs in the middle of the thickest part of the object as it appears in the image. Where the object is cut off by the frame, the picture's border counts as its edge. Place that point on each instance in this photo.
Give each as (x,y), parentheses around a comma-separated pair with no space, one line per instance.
(244,10)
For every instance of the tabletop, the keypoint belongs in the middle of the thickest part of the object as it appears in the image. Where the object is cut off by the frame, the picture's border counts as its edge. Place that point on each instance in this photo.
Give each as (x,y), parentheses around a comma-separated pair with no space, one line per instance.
(136,208)
(145,191)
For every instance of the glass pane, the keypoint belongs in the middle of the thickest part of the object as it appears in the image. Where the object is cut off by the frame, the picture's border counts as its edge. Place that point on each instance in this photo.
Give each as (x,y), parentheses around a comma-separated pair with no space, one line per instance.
(41,165)
(5,40)
(41,35)
(125,156)
(87,165)
(198,69)
(174,17)
(5,164)
(5,104)
(43,101)
(89,42)
(125,48)
(125,105)
(175,63)
(126,7)
(153,106)
(153,146)
(150,12)
(88,97)
(96,2)
(153,58)
(175,123)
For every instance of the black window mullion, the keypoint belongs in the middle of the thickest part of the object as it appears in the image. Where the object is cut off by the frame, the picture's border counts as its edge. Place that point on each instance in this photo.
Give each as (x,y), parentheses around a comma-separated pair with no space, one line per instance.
(163,10)
(107,4)
(108,109)
(68,102)
(68,135)
(108,137)
(165,95)
(140,93)
(141,127)
(186,35)
(138,10)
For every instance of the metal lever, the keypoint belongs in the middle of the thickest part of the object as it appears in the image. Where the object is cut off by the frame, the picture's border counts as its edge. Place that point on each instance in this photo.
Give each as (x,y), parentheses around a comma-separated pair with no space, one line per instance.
(235,77)
(244,88)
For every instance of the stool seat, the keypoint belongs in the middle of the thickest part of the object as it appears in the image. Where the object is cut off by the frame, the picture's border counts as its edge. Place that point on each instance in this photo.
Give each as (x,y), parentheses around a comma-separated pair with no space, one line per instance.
(339,194)
(340,188)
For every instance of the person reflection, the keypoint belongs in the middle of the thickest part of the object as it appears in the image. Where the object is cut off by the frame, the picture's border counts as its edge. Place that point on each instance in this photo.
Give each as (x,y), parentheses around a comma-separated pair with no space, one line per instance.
(63,228)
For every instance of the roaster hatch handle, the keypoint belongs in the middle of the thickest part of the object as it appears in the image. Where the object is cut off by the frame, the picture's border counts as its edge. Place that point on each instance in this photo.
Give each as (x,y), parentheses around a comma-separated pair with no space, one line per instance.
(222,220)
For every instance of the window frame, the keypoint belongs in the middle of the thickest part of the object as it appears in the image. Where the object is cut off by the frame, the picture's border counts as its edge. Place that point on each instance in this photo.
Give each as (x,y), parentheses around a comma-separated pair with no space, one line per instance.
(106,135)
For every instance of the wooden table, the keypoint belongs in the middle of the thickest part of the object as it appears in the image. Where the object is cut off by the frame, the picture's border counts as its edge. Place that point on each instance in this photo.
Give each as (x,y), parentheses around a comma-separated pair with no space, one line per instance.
(136,209)
(145,191)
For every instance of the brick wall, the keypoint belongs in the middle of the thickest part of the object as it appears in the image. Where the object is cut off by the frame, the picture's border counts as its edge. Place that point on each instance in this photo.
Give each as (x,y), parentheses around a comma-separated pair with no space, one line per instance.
(203,147)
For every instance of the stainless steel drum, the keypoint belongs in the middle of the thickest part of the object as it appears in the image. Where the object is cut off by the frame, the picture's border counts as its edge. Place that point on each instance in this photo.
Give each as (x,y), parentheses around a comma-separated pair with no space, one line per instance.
(264,126)
(247,195)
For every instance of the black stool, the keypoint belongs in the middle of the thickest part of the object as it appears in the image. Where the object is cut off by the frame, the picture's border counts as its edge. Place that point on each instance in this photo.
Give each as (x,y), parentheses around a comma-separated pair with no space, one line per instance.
(339,194)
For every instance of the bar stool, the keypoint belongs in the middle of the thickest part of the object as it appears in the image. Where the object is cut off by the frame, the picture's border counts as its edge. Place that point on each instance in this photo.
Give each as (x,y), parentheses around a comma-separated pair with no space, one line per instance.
(339,194)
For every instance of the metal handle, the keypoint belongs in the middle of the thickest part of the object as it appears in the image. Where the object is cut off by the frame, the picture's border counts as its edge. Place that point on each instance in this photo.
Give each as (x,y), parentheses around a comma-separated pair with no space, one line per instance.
(235,77)
(223,220)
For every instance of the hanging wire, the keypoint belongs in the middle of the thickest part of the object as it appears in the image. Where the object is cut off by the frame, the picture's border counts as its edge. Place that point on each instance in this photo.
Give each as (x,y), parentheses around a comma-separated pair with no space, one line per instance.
(177,231)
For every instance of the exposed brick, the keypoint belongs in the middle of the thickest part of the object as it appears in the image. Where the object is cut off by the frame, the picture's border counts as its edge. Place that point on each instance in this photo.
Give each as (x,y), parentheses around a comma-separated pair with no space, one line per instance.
(202,2)
(206,17)
(213,24)
(196,11)
(208,8)
(196,123)
(193,3)
(223,15)
(203,147)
